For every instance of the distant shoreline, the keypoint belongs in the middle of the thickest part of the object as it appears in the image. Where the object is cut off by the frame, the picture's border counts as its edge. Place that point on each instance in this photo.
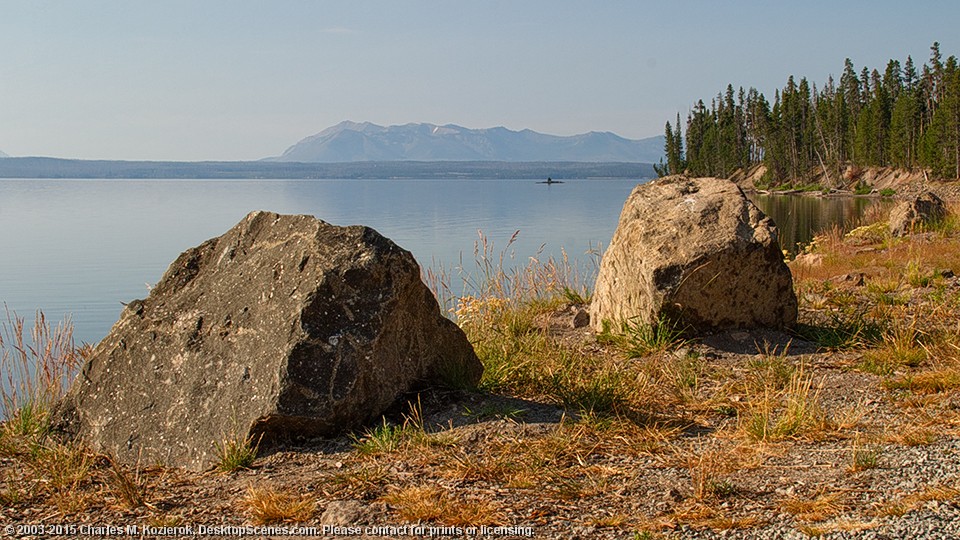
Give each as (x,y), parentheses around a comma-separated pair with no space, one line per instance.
(51,168)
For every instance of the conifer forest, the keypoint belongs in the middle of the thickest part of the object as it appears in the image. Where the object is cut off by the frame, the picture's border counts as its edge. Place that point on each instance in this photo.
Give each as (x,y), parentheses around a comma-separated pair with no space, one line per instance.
(905,116)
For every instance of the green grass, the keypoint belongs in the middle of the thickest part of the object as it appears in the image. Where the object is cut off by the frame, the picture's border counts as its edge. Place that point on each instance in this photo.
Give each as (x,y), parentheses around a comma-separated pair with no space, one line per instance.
(864,458)
(601,391)
(843,329)
(638,340)
(31,420)
(791,413)
(382,439)
(236,452)
(771,369)
(533,365)
(575,297)
(487,411)
(411,433)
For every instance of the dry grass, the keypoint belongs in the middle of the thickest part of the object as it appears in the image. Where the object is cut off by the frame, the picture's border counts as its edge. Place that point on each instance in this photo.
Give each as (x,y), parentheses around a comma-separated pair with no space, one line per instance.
(793,412)
(823,505)
(864,456)
(267,505)
(699,515)
(129,490)
(911,435)
(927,382)
(496,278)
(363,482)
(902,505)
(699,429)
(521,360)
(435,504)
(35,370)
(711,469)
(557,463)
(411,435)
(498,309)
(902,347)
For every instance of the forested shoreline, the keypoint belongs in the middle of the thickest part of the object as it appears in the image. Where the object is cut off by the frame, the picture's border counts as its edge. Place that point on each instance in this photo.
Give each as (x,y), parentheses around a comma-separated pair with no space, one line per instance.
(905,117)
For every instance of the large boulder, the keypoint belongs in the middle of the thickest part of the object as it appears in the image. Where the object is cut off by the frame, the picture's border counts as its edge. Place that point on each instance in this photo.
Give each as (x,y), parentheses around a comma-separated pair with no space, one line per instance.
(910,216)
(284,326)
(698,253)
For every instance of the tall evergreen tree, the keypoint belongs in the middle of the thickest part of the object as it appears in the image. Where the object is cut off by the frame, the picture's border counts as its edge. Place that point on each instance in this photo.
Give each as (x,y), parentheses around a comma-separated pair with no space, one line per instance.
(673,149)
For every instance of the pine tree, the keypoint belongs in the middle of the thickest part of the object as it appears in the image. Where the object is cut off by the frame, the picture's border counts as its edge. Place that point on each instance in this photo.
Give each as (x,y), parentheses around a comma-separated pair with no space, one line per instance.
(676,160)
(673,149)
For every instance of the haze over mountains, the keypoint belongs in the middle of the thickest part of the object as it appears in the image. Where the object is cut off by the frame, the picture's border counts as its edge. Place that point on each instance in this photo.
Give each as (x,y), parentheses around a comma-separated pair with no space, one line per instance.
(365,150)
(353,142)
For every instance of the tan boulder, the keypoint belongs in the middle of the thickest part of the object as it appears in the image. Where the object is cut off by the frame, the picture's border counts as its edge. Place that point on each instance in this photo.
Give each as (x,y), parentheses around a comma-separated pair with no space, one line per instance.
(698,252)
(911,216)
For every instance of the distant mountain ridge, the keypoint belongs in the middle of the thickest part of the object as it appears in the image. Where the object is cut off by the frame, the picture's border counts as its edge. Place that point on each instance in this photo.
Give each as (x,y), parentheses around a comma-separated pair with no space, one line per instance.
(2,155)
(353,142)
(40,167)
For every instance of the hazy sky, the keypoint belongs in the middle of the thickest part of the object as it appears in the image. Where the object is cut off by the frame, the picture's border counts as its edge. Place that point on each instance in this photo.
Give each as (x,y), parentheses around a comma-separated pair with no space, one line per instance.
(241,80)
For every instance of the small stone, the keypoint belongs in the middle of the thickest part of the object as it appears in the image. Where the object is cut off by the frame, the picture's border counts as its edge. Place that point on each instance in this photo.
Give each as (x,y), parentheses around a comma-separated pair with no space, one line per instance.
(581,318)
(342,513)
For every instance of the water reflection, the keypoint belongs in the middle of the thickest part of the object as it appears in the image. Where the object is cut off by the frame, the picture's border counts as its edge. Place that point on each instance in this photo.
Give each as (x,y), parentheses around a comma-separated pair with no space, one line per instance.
(800,217)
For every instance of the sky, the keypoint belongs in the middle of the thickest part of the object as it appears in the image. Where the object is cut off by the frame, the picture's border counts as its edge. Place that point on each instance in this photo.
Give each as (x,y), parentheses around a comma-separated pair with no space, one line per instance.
(243,80)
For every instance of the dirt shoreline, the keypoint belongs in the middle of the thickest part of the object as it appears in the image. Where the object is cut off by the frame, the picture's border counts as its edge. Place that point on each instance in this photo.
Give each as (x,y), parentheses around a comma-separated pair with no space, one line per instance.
(905,184)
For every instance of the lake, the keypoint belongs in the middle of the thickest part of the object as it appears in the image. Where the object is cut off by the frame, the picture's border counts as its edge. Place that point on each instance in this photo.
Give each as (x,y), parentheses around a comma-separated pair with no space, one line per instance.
(81,247)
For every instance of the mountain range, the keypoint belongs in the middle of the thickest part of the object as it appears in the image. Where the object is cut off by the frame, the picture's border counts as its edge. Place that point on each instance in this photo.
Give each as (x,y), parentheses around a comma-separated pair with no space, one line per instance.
(353,142)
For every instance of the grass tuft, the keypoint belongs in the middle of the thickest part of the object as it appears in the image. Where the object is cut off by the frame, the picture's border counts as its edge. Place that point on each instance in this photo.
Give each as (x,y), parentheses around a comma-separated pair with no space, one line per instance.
(128,490)
(864,457)
(637,339)
(35,370)
(236,452)
(824,505)
(844,329)
(434,504)
(791,413)
(268,505)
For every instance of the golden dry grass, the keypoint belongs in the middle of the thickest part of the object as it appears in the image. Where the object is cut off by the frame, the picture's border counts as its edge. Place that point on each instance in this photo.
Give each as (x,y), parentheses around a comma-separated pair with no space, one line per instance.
(435,504)
(823,505)
(267,505)
(902,505)
(793,412)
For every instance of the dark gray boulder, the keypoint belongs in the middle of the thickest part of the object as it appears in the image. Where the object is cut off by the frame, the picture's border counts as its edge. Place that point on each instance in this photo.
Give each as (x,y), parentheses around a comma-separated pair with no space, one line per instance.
(283,326)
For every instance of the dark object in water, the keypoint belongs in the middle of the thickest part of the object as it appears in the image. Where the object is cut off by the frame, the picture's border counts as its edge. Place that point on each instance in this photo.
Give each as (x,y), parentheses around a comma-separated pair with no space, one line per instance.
(551,181)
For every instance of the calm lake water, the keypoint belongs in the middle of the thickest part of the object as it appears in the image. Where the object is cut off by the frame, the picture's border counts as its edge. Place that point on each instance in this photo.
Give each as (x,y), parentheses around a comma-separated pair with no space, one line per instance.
(81,247)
